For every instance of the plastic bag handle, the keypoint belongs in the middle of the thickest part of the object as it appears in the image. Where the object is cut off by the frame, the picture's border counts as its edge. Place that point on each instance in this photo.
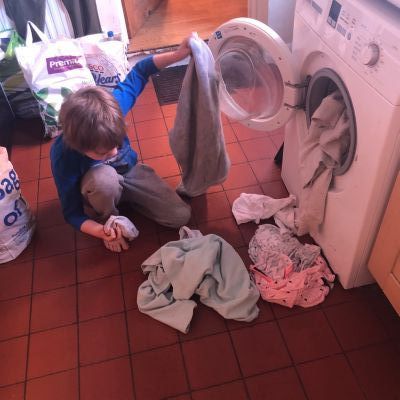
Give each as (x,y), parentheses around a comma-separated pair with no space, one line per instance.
(29,39)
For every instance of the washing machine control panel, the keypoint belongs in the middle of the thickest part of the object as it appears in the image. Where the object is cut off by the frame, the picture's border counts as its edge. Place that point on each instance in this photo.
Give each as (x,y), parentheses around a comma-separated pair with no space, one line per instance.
(366,35)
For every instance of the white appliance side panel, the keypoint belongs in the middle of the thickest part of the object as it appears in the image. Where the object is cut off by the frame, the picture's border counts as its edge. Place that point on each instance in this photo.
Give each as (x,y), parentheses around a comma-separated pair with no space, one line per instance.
(356,203)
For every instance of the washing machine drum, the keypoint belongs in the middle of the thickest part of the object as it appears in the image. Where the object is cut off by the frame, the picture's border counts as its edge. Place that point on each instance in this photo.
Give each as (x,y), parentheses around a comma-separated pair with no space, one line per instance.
(256,72)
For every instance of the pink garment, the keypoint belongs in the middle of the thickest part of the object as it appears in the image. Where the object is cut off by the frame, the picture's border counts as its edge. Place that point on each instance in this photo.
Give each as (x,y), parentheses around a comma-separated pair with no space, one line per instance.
(305,288)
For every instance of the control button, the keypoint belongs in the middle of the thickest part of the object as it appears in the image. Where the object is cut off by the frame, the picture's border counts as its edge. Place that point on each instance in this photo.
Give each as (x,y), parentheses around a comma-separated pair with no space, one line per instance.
(370,54)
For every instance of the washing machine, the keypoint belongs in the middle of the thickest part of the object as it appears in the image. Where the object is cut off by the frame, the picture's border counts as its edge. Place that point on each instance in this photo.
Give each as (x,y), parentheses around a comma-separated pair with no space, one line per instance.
(347,45)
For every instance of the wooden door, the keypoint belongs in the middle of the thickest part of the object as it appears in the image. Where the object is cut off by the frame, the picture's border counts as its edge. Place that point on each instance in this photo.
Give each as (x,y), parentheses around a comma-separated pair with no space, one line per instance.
(384,262)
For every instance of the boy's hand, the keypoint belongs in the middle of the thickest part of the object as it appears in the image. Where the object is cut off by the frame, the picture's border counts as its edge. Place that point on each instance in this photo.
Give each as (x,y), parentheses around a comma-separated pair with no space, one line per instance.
(184,49)
(114,240)
(116,245)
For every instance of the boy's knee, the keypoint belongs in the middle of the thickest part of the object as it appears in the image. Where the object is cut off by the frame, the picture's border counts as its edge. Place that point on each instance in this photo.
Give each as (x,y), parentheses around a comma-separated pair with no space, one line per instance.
(101,178)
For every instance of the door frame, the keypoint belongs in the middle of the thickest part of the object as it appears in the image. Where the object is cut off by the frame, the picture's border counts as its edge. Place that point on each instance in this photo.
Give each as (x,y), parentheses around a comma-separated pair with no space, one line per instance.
(258,9)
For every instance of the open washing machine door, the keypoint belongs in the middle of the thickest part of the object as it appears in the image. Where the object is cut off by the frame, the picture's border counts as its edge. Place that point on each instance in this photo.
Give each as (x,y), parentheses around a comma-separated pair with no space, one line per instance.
(259,81)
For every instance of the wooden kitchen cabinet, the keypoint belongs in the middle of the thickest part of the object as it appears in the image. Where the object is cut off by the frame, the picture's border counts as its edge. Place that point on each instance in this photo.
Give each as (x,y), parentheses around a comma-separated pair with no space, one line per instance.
(384,262)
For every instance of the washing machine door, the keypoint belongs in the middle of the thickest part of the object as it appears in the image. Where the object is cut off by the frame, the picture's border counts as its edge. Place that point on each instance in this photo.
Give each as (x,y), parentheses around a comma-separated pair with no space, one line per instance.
(258,77)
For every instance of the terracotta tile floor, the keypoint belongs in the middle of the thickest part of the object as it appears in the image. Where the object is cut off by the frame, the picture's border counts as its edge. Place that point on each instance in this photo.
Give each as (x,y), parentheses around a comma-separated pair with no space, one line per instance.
(70,328)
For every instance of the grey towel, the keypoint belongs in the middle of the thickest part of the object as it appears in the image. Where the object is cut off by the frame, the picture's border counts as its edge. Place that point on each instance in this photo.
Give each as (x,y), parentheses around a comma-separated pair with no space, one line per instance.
(205,265)
(196,139)
(321,152)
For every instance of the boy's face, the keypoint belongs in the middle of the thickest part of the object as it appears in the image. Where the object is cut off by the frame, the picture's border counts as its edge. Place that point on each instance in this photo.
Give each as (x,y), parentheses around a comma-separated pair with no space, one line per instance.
(101,155)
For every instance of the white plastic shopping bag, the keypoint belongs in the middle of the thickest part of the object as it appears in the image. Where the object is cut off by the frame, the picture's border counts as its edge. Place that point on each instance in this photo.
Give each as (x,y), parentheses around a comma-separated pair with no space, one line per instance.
(53,69)
(106,59)
(17,223)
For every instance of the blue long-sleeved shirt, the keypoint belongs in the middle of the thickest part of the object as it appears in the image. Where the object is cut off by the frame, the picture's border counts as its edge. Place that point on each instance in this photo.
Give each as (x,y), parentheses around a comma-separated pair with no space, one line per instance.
(69,166)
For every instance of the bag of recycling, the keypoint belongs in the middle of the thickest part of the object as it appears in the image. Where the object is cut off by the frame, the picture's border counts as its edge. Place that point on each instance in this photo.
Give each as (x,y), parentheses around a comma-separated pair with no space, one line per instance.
(53,69)
(18,93)
(106,59)
(17,223)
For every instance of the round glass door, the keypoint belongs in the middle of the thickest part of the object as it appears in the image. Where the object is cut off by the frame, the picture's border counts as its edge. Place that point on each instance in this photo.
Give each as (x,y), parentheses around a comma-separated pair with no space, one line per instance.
(251,86)
(257,76)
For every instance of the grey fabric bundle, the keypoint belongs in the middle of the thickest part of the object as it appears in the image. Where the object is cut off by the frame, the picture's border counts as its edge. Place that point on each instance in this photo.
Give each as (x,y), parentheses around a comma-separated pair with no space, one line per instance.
(205,265)
(196,139)
(321,152)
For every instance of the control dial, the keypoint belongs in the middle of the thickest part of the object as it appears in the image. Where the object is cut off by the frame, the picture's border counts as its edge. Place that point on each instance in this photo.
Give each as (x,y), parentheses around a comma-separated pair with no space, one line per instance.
(370,54)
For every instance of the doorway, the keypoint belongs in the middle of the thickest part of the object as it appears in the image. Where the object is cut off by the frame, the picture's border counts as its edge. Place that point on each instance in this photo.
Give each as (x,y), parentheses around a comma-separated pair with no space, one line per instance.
(166,23)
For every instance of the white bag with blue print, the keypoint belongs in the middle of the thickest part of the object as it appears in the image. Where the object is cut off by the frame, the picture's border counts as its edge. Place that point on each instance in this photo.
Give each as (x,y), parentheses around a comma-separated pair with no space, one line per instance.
(53,68)
(17,223)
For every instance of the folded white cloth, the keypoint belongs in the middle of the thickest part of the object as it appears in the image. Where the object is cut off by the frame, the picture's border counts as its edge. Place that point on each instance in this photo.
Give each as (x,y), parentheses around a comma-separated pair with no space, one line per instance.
(128,230)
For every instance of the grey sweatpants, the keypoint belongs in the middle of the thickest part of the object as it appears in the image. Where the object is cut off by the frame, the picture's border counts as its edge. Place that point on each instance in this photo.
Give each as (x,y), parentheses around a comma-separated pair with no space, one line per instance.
(103,189)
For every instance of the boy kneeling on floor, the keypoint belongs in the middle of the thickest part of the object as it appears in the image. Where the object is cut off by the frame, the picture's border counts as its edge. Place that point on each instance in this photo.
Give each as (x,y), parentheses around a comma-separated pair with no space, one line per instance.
(94,166)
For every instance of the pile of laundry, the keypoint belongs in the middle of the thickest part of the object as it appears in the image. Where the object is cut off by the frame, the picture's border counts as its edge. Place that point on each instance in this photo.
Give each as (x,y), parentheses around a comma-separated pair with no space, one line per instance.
(286,271)
(207,266)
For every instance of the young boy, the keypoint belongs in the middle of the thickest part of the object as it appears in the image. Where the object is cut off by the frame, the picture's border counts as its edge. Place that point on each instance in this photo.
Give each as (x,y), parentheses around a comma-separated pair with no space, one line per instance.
(94,166)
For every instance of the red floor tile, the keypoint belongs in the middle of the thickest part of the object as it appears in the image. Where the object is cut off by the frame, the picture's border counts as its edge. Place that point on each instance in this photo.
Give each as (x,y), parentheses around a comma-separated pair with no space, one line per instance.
(107,380)
(29,191)
(94,303)
(45,168)
(244,133)
(13,360)
(240,176)
(210,361)
(47,190)
(146,112)
(309,336)
(151,129)
(27,169)
(60,386)
(329,379)
(45,148)
(164,166)
(266,170)
(283,385)
(230,391)
(229,134)
(148,96)
(49,214)
(169,110)
(54,272)
(265,314)
(377,370)
(146,333)
(103,339)
(54,240)
(236,154)
(159,373)
(260,148)
(14,392)
(210,207)
(131,132)
(14,317)
(276,189)
(52,351)
(140,249)
(95,263)
(226,228)
(15,279)
(155,147)
(54,308)
(355,324)
(260,348)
